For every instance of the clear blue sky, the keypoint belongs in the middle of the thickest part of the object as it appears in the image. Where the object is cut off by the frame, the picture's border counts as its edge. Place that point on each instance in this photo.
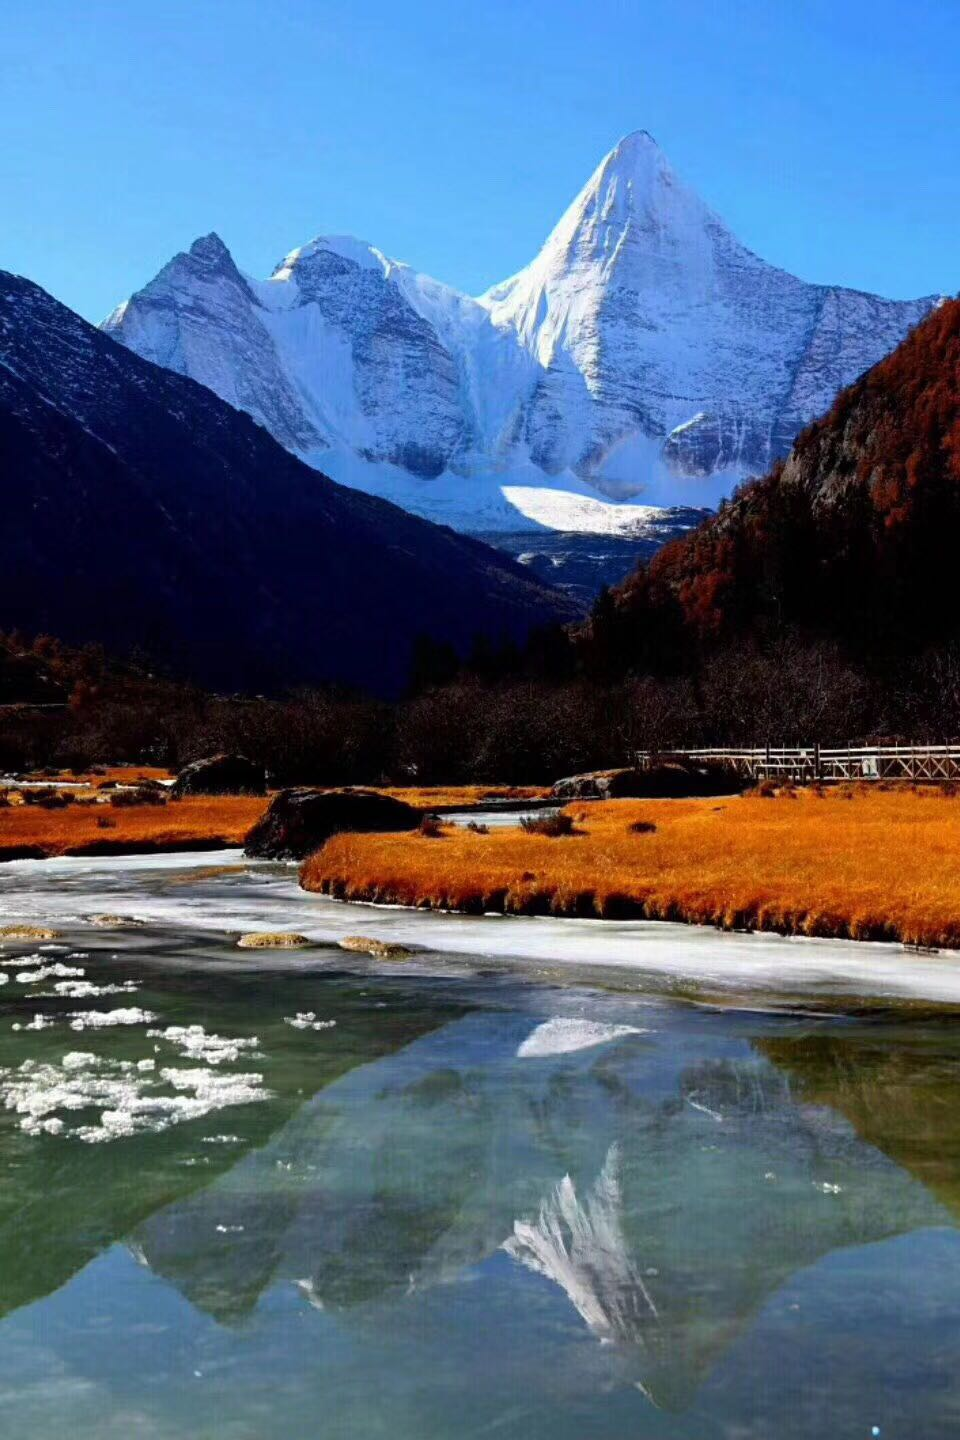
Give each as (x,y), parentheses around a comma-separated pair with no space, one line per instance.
(453,134)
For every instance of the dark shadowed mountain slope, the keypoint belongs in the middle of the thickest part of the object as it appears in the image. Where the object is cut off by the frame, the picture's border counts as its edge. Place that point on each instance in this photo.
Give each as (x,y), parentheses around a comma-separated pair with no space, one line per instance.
(854,538)
(140,510)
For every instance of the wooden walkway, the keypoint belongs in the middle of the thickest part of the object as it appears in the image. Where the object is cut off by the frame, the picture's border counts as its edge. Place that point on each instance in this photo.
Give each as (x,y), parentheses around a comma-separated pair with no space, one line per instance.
(808,764)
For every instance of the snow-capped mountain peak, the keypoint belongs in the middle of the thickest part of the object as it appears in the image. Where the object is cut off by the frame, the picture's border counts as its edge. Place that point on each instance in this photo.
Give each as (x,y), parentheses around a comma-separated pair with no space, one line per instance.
(645,353)
(347,247)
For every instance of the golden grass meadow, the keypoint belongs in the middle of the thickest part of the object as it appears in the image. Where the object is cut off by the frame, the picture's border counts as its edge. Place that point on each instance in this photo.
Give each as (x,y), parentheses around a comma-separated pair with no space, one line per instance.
(849,863)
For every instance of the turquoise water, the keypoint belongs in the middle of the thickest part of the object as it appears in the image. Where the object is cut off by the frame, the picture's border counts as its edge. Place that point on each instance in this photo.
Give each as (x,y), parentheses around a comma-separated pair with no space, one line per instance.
(475,1202)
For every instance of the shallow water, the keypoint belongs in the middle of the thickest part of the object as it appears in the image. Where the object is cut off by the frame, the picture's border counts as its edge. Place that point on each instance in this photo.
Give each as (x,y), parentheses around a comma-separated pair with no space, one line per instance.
(497,819)
(516,1189)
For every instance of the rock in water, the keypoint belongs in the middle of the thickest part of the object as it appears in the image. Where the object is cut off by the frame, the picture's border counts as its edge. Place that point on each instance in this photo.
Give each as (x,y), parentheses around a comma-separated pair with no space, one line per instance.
(29,932)
(221,775)
(282,940)
(380,949)
(298,822)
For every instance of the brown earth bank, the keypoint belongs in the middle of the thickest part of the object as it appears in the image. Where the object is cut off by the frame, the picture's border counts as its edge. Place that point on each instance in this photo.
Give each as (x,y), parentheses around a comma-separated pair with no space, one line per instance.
(847,863)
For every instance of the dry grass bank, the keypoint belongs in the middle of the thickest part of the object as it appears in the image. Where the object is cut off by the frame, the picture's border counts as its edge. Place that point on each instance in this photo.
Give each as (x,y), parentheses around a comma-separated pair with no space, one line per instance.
(857,864)
(196,823)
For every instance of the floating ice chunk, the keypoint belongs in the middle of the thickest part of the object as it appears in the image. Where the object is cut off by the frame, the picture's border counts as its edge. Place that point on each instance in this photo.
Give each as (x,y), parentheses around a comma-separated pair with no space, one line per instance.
(130,1102)
(560,1036)
(47,972)
(307,1020)
(39,1022)
(103,1019)
(196,1044)
(87,990)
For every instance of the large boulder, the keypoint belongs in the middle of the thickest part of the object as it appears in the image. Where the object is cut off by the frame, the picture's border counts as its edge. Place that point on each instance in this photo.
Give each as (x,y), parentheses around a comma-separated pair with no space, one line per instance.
(669,779)
(297,822)
(599,785)
(221,775)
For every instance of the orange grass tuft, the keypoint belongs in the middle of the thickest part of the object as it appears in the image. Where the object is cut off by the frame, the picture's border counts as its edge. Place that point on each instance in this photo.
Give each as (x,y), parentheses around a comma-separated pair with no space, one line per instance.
(861,865)
(195,823)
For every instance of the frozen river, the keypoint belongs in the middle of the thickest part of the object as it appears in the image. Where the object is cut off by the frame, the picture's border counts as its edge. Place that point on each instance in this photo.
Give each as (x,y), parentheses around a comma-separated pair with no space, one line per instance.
(517,1186)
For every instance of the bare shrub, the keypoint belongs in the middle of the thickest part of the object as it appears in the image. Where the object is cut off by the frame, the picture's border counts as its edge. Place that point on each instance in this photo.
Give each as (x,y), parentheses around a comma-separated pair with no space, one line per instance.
(142,795)
(47,798)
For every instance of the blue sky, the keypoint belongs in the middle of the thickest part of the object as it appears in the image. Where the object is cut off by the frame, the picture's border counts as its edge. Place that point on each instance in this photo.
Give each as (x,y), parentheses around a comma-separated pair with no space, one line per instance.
(453,135)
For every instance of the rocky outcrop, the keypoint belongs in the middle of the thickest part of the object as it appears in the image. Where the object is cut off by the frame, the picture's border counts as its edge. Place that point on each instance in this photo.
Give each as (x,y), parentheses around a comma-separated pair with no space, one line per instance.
(668,780)
(297,822)
(221,775)
(597,785)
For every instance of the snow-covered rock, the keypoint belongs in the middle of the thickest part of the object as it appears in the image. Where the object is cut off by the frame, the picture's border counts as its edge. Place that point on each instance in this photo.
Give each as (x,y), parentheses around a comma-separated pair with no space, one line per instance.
(645,355)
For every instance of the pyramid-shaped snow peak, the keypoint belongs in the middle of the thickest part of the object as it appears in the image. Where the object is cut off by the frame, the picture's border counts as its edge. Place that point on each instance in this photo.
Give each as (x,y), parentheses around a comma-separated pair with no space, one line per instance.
(645,353)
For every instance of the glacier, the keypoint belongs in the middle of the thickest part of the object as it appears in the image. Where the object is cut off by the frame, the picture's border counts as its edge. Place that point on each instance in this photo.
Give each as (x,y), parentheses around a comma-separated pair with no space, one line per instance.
(644,362)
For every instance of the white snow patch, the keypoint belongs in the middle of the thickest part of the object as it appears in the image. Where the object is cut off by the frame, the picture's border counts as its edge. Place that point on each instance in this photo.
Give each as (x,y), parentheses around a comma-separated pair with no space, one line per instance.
(560,1036)
(582,514)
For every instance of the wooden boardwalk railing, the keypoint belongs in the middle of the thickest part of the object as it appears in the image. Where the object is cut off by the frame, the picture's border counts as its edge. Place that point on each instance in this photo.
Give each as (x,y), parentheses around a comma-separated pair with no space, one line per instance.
(811,763)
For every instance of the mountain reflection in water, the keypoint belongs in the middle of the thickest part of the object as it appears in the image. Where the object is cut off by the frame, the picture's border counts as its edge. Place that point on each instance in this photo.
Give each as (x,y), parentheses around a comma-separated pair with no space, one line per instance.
(666,1199)
(647,1219)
